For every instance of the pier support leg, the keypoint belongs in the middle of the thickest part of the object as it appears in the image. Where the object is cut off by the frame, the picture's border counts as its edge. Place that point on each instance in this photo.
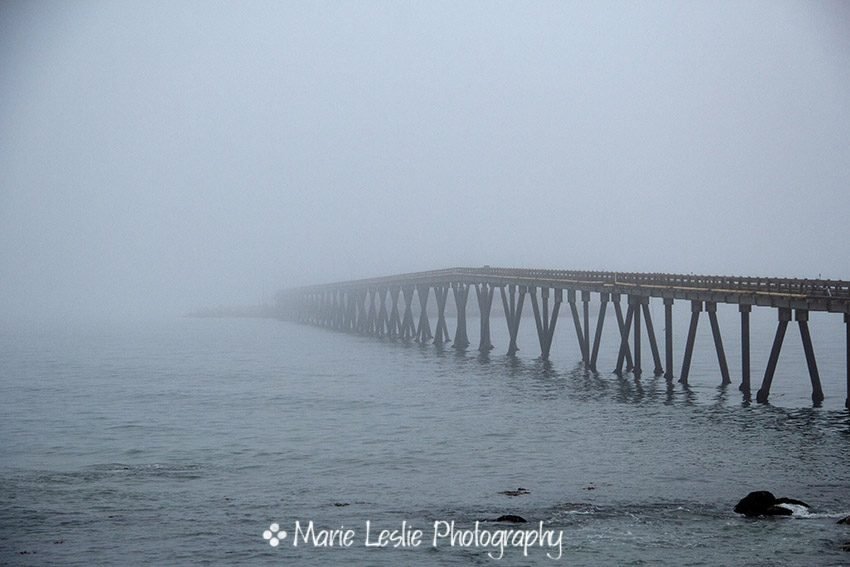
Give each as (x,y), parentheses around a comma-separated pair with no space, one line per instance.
(764,391)
(615,299)
(711,308)
(603,299)
(461,292)
(362,312)
(382,322)
(625,329)
(802,317)
(668,337)
(847,350)
(544,319)
(484,293)
(696,308)
(372,320)
(441,333)
(334,308)
(653,343)
(513,313)
(423,330)
(635,307)
(348,310)
(745,349)
(408,328)
(571,298)
(585,300)
(395,321)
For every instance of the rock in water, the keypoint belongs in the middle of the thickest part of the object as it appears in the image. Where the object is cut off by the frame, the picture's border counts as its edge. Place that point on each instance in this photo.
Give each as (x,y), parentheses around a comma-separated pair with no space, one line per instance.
(755,503)
(511,518)
(764,503)
(518,492)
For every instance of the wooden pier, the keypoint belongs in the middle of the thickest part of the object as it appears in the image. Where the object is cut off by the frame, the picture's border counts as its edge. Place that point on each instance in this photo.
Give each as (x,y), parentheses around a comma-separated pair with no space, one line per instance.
(371,307)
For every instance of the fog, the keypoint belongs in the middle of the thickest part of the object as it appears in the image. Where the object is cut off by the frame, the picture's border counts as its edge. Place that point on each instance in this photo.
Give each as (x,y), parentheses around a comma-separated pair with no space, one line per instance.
(157,157)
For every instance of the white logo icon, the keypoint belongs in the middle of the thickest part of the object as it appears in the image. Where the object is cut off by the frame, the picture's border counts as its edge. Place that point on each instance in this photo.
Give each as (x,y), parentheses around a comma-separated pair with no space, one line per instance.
(274,534)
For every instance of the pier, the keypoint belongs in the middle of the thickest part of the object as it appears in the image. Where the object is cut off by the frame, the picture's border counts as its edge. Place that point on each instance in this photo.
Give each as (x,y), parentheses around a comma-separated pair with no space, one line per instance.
(384,307)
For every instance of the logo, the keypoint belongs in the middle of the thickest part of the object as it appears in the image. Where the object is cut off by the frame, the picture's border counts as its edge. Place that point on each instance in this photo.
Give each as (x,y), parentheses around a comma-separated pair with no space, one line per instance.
(274,534)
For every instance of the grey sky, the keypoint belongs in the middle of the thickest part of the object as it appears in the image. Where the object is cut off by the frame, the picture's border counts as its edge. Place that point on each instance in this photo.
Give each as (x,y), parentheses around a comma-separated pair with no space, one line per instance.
(160,156)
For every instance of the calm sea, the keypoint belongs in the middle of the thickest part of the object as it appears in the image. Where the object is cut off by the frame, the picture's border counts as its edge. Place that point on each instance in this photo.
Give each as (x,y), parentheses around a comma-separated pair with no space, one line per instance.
(182,441)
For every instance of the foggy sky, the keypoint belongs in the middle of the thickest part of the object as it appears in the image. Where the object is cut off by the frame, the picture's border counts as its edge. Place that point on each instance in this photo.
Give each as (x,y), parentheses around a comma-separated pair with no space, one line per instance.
(156,157)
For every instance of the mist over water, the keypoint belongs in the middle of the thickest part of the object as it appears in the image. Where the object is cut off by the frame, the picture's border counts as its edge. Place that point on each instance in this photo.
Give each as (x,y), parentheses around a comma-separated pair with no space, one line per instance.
(161,158)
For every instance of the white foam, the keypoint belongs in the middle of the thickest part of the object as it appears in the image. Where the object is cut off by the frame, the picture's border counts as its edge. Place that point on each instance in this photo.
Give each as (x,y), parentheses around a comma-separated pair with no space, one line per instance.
(797,510)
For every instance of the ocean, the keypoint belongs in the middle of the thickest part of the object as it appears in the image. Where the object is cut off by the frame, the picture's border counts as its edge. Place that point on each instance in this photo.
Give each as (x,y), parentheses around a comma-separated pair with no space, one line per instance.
(186,441)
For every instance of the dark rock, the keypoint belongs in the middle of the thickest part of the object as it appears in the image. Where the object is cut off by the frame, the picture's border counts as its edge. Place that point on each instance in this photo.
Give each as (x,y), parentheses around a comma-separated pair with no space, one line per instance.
(845,520)
(755,503)
(518,492)
(511,518)
(764,503)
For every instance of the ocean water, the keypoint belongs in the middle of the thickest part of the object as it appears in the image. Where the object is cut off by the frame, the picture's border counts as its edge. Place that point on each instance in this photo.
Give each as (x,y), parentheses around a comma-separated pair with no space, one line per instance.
(181,441)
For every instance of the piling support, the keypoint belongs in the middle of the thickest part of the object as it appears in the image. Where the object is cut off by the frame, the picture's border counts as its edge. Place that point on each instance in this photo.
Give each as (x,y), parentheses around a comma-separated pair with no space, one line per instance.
(362,312)
(441,333)
(332,309)
(345,305)
(847,351)
(650,332)
(332,301)
(423,329)
(513,312)
(585,300)
(635,303)
(323,317)
(571,298)
(615,299)
(352,298)
(532,292)
(382,322)
(408,328)
(395,321)
(711,308)
(802,317)
(696,308)
(597,338)
(545,319)
(764,391)
(668,337)
(357,308)
(484,293)
(745,348)
(461,292)
(625,330)
(372,317)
